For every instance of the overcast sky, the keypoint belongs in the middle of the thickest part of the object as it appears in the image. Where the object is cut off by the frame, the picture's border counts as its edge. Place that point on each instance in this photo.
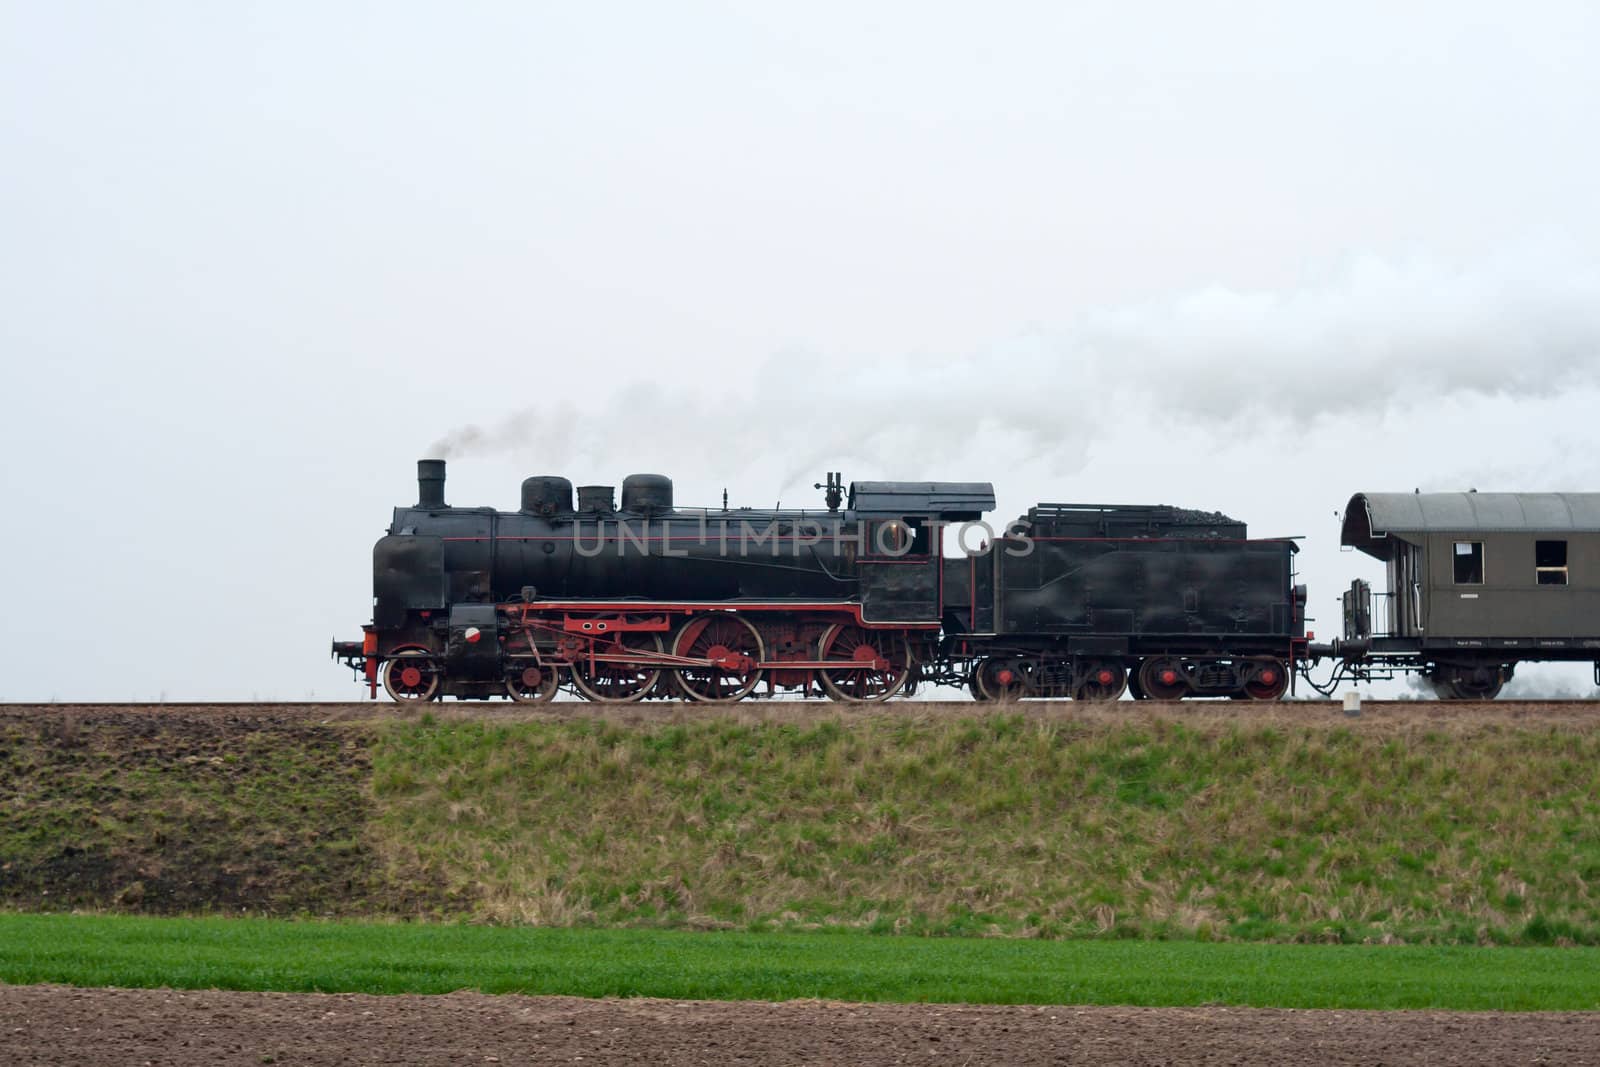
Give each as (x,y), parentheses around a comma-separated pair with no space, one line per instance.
(256,259)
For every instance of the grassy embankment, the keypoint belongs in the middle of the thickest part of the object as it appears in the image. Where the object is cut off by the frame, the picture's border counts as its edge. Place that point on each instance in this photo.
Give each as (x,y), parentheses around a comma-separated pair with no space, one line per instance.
(1473,832)
(413,958)
(1192,825)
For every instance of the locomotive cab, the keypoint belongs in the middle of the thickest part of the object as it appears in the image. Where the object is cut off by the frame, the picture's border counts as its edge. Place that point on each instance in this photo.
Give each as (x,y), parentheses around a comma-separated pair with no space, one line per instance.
(900,568)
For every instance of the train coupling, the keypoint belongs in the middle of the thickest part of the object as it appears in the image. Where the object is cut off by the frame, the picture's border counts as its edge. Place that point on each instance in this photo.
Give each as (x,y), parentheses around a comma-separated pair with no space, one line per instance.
(1347,648)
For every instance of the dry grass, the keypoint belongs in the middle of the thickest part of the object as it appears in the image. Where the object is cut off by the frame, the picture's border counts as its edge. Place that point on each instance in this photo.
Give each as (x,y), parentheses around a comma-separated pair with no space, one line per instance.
(1288,823)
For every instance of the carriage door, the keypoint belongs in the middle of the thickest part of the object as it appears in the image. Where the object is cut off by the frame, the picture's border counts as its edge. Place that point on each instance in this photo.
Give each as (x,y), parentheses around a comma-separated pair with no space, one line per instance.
(899,569)
(1405,592)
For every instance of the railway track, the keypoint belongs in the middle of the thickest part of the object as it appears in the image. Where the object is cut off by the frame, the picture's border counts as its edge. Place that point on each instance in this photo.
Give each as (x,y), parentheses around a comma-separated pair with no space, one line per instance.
(798,710)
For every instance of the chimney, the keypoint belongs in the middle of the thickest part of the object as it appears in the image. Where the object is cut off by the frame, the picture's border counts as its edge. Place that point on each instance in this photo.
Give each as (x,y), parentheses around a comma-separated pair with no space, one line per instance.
(430,484)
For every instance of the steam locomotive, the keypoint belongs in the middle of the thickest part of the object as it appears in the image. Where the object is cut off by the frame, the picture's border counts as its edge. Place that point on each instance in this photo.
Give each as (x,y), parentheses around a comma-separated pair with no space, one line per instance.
(857,600)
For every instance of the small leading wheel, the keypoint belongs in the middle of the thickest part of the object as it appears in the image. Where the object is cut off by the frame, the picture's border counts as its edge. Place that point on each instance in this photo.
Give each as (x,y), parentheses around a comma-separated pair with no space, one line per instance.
(1268,681)
(1102,681)
(1163,678)
(533,684)
(617,680)
(731,646)
(412,676)
(1001,681)
(885,658)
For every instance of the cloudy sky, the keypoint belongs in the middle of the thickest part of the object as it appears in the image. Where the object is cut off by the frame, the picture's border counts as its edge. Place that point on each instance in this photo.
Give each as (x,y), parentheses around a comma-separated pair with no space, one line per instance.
(255,259)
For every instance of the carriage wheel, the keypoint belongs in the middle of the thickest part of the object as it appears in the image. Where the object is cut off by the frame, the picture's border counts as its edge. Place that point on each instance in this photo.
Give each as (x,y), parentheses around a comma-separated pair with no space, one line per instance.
(533,684)
(1269,681)
(733,646)
(1000,681)
(1103,681)
(1468,683)
(412,677)
(1163,679)
(843,641)
(618,683)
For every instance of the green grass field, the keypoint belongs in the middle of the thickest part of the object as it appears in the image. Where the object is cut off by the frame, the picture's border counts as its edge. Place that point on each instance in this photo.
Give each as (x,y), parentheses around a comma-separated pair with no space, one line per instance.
(257,954)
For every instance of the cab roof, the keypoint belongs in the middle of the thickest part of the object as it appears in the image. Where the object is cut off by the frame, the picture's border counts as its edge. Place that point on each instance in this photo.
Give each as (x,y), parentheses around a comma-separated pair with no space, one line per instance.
(957,501)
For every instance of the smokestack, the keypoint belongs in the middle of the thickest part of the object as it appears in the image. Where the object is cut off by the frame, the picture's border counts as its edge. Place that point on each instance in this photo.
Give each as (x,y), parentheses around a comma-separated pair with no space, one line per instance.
(430,484)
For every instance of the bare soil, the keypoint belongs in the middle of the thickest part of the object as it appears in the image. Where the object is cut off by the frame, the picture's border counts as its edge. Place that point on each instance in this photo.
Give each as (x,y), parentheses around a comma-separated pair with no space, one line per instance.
(57,1025)
(175,809)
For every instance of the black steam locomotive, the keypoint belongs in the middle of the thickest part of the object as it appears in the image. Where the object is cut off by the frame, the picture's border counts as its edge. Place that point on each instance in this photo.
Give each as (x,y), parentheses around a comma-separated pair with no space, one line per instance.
(635,599)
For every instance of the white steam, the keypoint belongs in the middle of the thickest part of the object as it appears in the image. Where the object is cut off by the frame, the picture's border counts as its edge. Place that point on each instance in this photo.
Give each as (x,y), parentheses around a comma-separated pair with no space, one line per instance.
(1533,681)
(1372,336)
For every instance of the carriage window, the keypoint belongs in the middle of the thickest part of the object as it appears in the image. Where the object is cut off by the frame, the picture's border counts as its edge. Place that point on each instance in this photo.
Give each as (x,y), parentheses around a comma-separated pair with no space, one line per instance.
(1550,562)
(1469,562)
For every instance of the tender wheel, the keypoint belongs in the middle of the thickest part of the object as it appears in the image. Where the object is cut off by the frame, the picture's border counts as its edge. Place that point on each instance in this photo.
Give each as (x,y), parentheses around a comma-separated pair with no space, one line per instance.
(412,677)
(972,682)
(1000,681)
(533,684)
(867,647)
(610,682)
(1269,681)
(734,648)
(1102,681)
(1163,679)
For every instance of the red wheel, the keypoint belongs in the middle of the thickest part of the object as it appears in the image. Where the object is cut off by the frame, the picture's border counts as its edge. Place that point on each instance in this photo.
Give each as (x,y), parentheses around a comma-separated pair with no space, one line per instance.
(884,657)
(732,648)
(617,679)
(1102,681)
(1269,680)
(533,683)
(1000,680)
(412,676)
(1163,679)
